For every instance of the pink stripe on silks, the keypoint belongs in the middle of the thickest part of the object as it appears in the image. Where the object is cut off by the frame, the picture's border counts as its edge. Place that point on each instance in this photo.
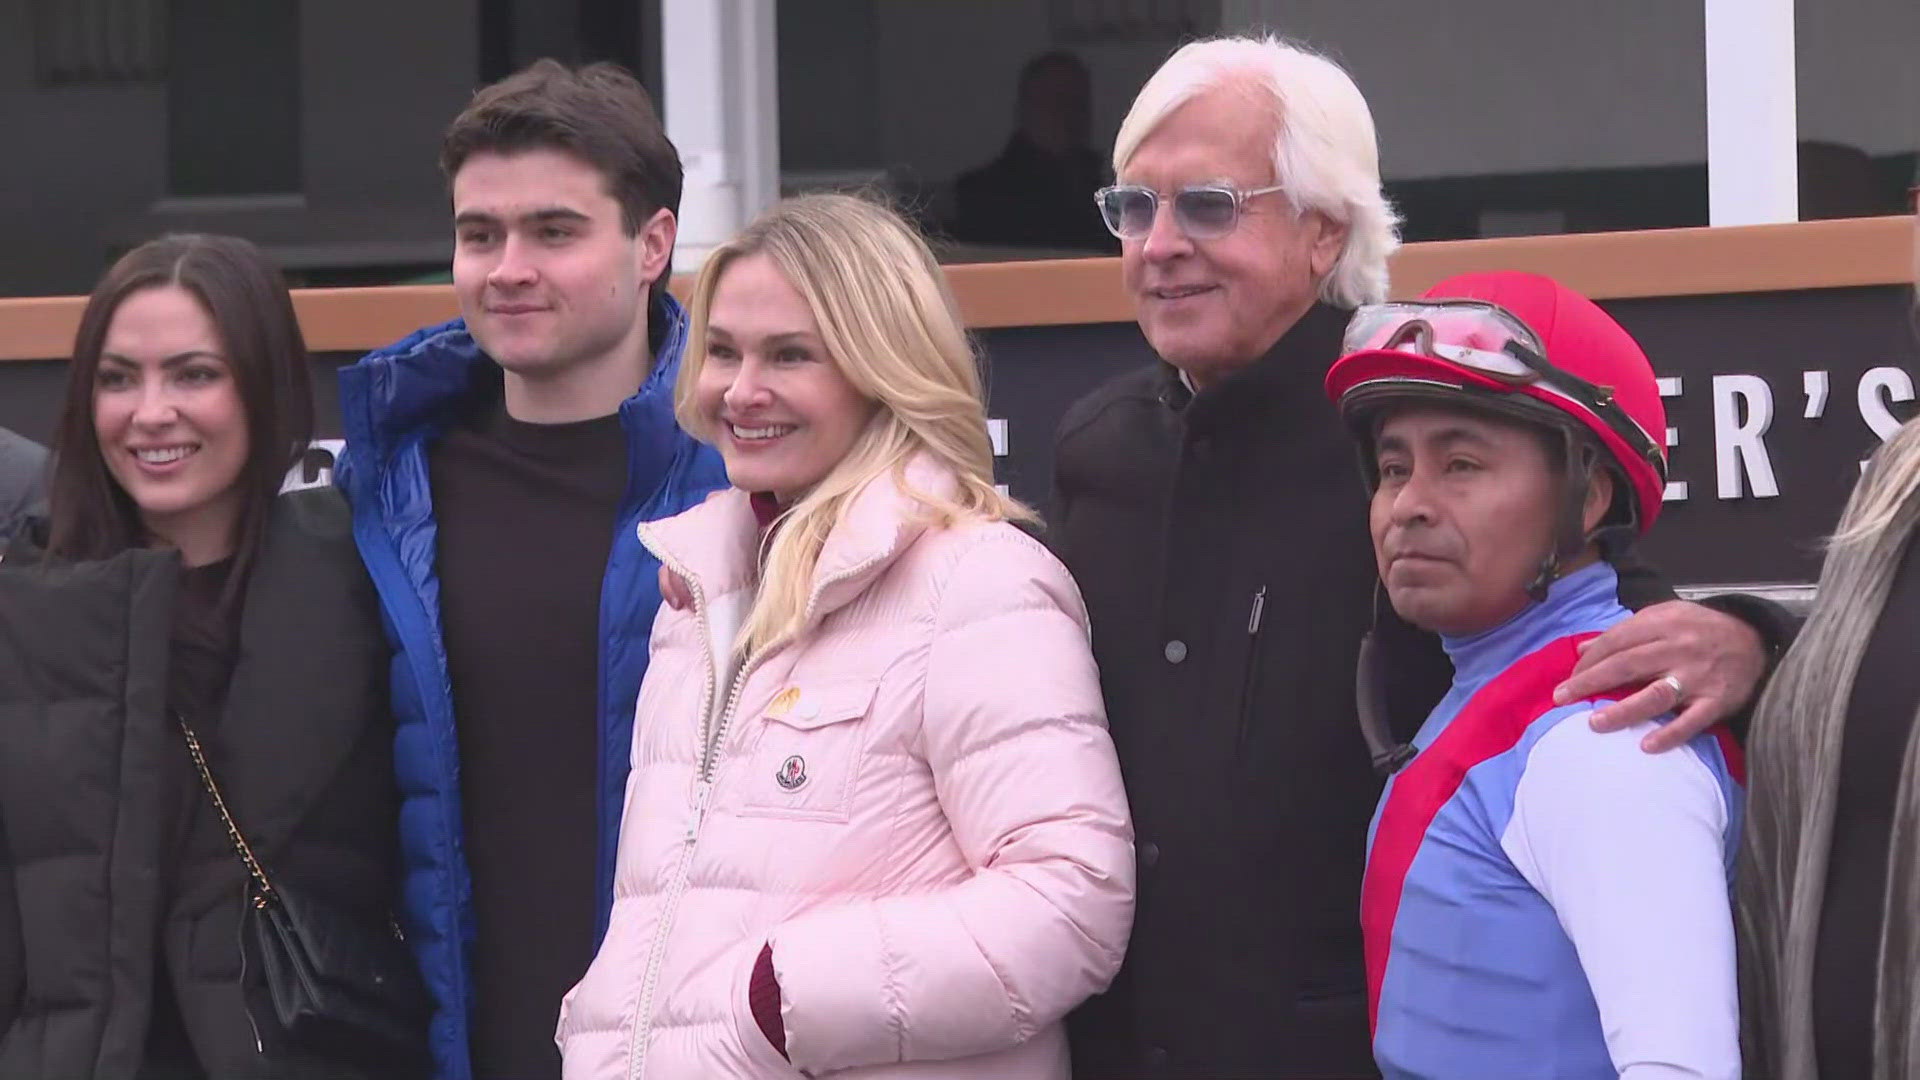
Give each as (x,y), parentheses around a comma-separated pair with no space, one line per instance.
(1733,752)
(1490,723)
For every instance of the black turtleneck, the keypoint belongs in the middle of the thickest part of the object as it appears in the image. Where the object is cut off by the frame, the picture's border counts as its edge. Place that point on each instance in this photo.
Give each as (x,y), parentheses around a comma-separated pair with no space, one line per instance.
(526,515)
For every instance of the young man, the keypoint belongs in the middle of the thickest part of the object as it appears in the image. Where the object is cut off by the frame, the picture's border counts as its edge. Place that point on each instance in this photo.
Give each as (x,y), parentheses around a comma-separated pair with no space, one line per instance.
(1541,899)
(497,467)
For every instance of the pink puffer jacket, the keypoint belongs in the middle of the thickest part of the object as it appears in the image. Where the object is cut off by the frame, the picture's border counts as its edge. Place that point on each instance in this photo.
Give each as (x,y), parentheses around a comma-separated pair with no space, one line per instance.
(916,803)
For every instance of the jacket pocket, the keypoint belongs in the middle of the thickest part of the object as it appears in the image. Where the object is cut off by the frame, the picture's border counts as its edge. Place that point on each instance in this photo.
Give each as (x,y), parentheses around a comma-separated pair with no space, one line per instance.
(809,753)
(762,1060)
(1250,674)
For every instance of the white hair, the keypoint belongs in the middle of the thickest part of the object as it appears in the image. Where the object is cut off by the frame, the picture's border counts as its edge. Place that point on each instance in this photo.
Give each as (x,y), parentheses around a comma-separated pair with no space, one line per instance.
(1325,155)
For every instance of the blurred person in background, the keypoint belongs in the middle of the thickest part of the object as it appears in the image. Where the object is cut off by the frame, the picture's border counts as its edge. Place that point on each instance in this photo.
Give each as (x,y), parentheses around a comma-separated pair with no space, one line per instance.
(1037,192)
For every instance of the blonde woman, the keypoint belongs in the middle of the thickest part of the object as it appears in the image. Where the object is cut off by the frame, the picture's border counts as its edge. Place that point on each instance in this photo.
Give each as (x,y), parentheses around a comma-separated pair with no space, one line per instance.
(1830,884)
(874,818)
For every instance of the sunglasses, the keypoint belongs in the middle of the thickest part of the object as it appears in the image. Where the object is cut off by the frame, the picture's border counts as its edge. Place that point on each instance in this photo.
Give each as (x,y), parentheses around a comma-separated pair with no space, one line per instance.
(1202,212)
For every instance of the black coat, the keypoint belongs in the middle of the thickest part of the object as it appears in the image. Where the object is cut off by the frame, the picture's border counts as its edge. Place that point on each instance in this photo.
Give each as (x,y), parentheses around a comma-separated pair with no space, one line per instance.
(23,468)
(114,868)
(1250,784)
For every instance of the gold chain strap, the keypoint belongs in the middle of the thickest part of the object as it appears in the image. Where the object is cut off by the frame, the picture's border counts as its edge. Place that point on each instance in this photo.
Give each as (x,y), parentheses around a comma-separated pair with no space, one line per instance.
(233,831)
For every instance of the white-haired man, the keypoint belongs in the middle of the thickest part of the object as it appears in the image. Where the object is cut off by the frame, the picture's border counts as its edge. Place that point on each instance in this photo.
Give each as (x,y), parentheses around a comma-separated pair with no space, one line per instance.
(1208,509)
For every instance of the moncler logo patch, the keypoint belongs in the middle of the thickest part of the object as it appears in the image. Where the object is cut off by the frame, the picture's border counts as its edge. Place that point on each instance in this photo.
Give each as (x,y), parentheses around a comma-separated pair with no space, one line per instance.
(792,774)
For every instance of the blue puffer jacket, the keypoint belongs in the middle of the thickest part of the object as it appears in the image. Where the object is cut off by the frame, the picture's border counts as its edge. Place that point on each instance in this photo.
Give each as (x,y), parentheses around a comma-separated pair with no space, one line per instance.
(393,403)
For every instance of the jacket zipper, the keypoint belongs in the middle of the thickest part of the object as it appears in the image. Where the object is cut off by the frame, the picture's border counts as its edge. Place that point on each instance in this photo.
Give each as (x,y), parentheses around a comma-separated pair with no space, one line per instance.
(713,732)
(1250,675)
(643,1018)
(718,735)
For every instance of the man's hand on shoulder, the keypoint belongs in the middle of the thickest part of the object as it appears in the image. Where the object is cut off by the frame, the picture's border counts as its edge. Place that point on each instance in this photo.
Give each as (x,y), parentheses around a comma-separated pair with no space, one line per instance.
(1700,664)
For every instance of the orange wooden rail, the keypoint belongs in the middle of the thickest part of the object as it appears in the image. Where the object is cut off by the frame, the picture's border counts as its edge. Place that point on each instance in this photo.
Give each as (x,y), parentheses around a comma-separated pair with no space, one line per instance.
(1668,262)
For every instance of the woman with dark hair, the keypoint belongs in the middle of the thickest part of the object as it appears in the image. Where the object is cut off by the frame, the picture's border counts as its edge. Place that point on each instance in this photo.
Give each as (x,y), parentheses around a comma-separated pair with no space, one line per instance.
(197,804)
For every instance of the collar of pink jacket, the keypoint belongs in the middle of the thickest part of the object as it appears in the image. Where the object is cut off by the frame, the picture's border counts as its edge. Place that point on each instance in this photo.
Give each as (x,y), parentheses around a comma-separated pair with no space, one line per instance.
(717,542)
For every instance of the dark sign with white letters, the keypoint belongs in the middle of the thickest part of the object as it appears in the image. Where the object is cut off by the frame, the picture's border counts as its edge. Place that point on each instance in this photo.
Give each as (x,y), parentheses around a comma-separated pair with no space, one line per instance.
(1773,402)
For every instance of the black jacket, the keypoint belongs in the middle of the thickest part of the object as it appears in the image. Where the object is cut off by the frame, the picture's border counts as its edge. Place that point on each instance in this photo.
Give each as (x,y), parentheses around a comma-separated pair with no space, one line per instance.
(23,467)
(1250,783)
(114,868)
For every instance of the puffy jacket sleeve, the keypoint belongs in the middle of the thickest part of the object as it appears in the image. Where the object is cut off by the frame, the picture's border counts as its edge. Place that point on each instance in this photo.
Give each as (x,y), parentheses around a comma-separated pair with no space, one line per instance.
(1015,735)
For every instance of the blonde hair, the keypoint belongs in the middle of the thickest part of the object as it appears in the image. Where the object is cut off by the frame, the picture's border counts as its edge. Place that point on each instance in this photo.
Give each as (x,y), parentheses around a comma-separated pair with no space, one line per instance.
(1892,476)
(1326,157)
(892,329)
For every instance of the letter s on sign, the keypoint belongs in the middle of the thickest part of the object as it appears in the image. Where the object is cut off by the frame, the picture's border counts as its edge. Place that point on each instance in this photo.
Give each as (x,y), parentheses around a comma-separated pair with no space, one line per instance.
(1879,389)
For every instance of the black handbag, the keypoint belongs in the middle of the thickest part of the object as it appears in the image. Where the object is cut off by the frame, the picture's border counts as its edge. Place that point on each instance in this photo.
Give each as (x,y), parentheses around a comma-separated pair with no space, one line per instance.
(343,985)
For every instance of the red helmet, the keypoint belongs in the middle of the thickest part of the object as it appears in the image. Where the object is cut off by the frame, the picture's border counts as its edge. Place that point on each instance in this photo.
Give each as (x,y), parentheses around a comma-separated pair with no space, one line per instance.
(1520,343)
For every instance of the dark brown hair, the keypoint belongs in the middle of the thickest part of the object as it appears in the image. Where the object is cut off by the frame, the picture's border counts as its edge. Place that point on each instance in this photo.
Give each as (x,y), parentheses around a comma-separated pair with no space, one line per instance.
(247,300)
(598,113)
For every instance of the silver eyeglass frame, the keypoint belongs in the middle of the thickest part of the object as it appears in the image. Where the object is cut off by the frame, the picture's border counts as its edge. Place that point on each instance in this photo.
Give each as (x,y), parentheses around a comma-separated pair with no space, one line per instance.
(1238,196)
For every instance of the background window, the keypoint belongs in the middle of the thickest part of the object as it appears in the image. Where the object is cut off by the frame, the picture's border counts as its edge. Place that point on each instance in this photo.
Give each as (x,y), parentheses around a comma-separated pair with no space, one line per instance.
(1858,91)
(1489,124)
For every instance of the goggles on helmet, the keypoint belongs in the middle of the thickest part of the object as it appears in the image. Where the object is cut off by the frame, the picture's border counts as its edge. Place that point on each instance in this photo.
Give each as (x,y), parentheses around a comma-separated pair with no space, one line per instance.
(1487,340)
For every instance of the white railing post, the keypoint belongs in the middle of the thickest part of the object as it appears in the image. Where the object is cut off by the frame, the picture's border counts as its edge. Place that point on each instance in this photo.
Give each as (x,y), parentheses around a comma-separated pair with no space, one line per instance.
(718,64)
(1752,113)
